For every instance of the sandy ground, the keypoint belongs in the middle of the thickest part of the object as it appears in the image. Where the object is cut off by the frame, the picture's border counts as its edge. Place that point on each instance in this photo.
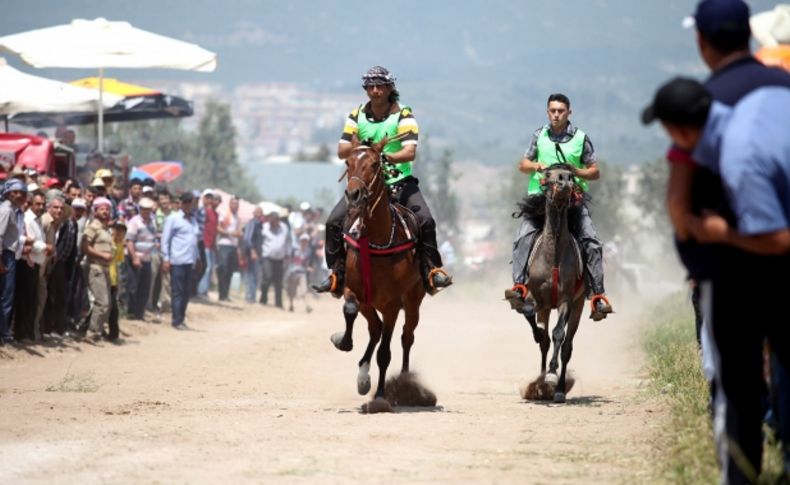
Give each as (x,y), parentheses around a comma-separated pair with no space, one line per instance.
(255,394)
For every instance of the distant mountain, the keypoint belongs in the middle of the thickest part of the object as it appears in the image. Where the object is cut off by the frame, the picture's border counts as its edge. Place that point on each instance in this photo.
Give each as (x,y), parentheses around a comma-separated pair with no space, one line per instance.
(476,73)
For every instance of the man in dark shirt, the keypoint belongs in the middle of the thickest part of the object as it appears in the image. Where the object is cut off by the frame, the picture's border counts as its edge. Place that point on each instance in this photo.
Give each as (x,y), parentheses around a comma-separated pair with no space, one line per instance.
(723,35)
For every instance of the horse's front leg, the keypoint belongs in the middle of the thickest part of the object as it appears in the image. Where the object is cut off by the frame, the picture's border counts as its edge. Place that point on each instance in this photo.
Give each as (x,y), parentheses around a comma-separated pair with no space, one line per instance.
(411,307)
(541,334)
(567,347)
(374,331)
(384,355)
(558,336)
(343,340)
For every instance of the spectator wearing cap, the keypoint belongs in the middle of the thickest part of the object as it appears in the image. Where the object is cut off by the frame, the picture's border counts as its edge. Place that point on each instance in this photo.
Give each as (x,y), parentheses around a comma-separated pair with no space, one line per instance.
(27,271)
(723,34)
(15,244)
(141,242)
(208,214)
(251,246)
(179,254)
(128,207)
(97,248)
(748,148)
(106,177)
(276,248)
(230,231)
(50,225)
(118,231)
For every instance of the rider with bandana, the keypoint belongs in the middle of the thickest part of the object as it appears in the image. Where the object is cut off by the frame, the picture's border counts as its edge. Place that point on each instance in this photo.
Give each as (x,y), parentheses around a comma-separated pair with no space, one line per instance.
(560,142)
(384,116)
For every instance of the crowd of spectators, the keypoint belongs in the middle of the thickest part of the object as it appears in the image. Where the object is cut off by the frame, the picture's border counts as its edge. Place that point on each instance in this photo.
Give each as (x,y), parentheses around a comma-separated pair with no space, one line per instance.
(77,257)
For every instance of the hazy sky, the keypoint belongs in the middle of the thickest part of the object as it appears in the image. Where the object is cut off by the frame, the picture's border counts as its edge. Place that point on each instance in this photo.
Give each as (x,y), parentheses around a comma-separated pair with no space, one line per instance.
(469,64)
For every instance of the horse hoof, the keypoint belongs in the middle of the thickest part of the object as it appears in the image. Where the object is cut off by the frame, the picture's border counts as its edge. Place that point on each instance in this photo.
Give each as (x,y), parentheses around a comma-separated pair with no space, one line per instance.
(378,405)
(363,379)
(551,378)
(340,344)
(559,397)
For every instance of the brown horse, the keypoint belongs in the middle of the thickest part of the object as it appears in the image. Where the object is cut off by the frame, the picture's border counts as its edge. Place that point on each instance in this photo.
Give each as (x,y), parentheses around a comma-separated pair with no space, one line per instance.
(382,268)
(556,278)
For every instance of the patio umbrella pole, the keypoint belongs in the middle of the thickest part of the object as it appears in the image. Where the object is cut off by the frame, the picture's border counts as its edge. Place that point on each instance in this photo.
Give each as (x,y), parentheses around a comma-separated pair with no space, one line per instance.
(101,110)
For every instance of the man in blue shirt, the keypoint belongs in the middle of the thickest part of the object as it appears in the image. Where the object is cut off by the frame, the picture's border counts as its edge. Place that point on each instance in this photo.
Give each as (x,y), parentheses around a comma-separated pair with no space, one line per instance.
(179,254)
(748,148)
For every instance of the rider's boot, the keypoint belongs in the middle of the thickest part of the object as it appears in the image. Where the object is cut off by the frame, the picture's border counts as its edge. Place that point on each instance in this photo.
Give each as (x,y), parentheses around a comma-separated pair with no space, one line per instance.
(336,259)
(434,277)
(437,280)
(517,297)
(593,258)
(600,307)
(333,284)
(599,304)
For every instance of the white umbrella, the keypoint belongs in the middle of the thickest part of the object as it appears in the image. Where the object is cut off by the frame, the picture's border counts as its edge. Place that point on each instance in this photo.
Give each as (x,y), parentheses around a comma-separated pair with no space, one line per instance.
(100,44)
(20,92)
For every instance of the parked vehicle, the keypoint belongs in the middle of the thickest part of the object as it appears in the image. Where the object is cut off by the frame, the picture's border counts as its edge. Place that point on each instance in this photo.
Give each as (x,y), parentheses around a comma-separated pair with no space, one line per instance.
(40,153)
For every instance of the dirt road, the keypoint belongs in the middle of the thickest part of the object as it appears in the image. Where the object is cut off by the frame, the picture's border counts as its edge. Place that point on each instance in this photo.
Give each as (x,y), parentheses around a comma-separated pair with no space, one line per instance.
(255,394)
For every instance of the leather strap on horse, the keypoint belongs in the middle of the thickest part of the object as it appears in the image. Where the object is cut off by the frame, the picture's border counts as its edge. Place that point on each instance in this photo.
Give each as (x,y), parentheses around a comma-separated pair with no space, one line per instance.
(364,269)
(399,248)
(555,286)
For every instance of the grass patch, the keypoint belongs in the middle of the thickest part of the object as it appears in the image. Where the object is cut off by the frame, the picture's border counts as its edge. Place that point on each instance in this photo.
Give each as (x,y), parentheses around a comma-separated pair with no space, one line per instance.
(74,383)
(684,445)
(685,442)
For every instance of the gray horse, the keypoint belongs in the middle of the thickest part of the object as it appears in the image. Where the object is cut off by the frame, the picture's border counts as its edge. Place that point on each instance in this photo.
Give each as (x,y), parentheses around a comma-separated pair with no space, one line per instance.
(556,277)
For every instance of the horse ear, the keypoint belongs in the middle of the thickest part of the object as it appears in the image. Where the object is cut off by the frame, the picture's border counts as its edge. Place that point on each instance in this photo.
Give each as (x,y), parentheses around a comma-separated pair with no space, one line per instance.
(354,141)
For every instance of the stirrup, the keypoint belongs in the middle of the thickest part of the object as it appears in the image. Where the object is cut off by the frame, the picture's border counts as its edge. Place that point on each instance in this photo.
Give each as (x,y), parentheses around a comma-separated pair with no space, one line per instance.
(432,289)
(595,314)
(333,285)
(516,296)
(521,288)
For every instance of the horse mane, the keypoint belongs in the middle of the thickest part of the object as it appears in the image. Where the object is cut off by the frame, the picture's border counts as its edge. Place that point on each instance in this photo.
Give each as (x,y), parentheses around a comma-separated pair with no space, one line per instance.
(531,207)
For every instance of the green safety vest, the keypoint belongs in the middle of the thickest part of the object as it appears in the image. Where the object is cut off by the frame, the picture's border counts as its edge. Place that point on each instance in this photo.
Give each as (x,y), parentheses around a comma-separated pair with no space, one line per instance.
(549,155)
(376,131)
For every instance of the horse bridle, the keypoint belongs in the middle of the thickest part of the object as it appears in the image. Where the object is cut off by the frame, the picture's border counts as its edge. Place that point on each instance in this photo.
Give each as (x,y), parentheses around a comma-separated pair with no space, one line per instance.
(367,187)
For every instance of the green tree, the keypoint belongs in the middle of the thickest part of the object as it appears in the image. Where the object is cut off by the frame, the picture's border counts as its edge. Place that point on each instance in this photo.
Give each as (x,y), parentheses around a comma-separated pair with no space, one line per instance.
(150,141)
(213,161)
(436,178)
(607,198)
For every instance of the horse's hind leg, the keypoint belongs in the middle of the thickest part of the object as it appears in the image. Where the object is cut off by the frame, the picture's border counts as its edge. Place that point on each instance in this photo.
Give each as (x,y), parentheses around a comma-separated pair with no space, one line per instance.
(567,347)
(374,331)
(411,306)
(343,340)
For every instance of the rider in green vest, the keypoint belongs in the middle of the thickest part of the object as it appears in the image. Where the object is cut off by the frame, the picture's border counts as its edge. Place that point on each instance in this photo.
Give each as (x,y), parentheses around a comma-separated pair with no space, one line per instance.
(384,116)
(560,142)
